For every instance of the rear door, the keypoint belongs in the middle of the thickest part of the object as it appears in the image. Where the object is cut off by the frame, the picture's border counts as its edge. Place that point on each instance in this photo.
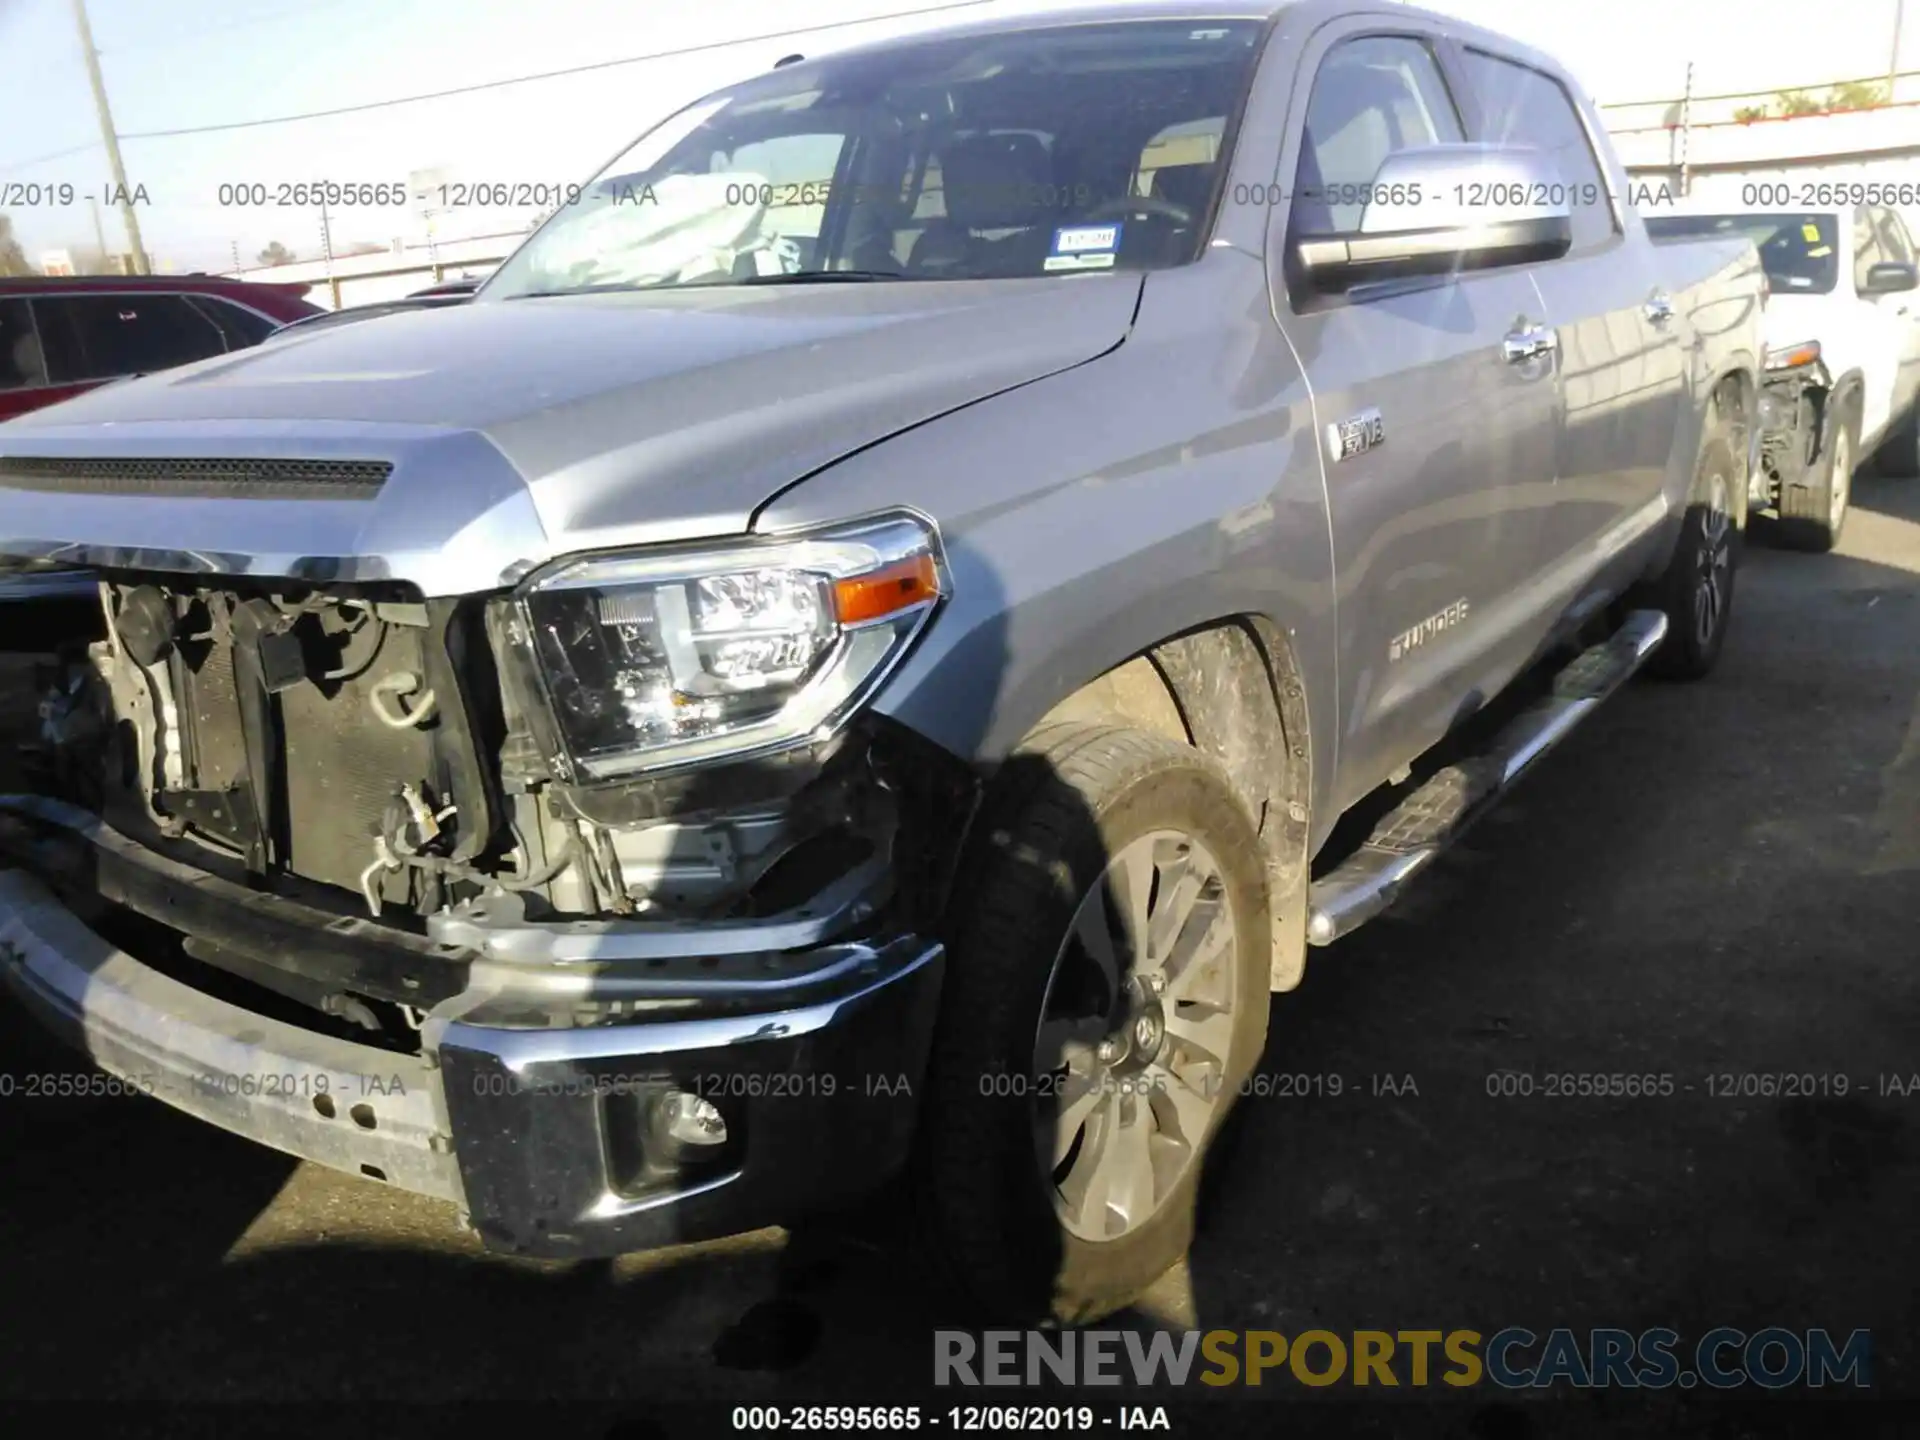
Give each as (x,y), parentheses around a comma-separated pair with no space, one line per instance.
(89,338)
(1881,329)
(1622,366)
(1434,524)
(1896,243)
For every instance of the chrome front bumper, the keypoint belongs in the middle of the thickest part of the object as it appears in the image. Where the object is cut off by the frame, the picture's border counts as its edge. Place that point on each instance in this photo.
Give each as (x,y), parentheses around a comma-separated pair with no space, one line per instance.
(255,1076)
(530,1106)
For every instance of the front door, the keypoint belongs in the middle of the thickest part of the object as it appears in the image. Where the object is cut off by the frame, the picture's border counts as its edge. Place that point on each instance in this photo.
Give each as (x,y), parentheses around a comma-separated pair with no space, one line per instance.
(1436,447)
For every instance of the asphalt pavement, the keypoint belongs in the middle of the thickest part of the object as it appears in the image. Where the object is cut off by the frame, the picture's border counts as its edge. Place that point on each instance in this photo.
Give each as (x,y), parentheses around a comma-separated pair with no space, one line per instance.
(1708,883)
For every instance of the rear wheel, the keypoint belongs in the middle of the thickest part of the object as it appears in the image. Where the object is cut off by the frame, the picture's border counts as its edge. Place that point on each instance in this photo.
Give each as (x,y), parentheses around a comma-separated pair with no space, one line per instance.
(1812,515)
(1105,997)
(1900,454)
(1696,592)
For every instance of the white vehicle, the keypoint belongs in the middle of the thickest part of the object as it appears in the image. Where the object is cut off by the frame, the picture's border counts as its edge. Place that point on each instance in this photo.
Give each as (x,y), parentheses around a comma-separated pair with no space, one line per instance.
(1842,331)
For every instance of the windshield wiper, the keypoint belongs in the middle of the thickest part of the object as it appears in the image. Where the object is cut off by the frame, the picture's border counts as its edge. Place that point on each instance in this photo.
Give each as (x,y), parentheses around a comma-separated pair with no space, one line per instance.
(581,290)
(813,277)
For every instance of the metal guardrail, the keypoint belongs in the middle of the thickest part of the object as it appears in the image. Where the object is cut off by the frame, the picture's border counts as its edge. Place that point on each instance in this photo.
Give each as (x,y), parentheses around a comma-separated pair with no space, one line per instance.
(1902,90)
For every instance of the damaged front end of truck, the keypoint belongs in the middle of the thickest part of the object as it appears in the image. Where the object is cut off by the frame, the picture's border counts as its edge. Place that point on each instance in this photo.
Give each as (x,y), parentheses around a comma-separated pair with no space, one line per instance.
(592,901)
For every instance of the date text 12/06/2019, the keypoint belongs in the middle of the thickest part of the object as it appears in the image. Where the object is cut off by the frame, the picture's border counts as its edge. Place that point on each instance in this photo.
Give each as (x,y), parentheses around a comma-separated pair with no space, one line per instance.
(301,1084)
(962,1419)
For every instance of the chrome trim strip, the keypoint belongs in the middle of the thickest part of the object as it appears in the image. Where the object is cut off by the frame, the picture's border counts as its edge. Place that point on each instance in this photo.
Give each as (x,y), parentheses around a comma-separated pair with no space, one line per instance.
(520,1050)
(493,926)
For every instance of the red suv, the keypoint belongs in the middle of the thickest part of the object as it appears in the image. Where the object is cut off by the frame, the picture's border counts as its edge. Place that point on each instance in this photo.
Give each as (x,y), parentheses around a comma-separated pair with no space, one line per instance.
(62,335)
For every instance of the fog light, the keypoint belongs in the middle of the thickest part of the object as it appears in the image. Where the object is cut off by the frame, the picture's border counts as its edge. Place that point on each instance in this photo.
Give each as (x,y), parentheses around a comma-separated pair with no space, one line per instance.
(678,1117)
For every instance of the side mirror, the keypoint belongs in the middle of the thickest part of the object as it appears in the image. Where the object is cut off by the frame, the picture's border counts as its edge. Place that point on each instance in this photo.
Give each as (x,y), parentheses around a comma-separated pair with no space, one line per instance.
(1440,209)
(1890,277)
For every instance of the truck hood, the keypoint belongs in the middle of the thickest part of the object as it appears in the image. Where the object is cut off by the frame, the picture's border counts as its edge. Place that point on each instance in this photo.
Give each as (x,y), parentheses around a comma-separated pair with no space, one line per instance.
(520,430)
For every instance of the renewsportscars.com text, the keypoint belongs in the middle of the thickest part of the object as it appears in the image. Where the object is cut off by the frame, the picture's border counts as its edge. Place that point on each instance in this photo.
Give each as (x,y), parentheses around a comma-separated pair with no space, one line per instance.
(1514,1358)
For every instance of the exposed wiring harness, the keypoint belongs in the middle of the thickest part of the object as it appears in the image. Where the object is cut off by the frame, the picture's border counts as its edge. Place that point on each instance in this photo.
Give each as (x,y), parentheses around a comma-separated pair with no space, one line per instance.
(386,694)
(396,849)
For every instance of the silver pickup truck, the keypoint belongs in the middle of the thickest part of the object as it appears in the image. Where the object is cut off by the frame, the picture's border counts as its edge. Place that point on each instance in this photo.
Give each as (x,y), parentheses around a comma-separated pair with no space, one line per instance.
(879,637)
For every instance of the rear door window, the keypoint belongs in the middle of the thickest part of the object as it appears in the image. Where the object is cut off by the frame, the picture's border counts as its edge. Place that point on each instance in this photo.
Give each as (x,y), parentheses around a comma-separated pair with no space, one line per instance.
(238,326)
(99,337)
(22,366)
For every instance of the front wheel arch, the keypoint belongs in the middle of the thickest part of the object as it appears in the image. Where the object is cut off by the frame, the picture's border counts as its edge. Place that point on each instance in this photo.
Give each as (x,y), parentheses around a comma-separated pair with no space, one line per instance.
(1232,689)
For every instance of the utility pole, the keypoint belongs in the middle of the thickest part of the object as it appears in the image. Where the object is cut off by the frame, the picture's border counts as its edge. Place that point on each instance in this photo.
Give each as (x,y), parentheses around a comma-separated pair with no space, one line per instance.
(326,254)
(1686,132)
(1893,59)
(112,139)
(99,230)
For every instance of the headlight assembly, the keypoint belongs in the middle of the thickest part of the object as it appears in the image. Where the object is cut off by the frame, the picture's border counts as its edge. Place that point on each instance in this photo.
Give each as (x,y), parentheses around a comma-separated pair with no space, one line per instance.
(657,659)
(1792,357)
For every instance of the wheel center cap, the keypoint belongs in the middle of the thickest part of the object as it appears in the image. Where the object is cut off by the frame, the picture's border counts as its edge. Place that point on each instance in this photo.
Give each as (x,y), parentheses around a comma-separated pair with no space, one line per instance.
(1140,1029)
(1147,1029)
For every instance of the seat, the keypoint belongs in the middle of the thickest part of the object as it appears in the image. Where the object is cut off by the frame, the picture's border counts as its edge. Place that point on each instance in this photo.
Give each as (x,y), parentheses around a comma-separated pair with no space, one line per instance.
(1188,186)
(989,182)
(29,365)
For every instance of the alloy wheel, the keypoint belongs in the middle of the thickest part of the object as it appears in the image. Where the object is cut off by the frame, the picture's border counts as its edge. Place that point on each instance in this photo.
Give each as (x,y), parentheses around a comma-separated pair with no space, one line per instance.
(1133,1047)
(1840,480)
(1713,562)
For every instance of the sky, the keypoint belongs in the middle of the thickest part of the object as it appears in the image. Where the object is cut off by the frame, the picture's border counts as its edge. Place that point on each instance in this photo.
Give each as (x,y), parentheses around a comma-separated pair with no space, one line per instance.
(179,65)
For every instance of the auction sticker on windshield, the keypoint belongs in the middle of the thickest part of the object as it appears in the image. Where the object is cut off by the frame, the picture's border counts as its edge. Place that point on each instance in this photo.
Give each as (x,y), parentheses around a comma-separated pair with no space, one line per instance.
(1084,247)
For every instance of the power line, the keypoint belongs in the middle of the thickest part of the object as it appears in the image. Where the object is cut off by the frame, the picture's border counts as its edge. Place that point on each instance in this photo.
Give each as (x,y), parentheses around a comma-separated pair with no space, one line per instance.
(43,159)
(156,42)
(549,74)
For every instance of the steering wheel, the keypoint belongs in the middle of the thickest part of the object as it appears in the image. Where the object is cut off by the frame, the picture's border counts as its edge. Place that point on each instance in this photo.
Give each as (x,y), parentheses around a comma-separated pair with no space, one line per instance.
(1141,205)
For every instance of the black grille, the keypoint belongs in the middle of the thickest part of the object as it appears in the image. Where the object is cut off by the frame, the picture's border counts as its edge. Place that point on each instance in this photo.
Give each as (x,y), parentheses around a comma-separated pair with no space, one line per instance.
(199,479)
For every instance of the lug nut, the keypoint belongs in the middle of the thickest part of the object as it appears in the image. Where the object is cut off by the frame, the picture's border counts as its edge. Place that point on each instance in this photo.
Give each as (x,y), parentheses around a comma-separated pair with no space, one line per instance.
(1107,1051)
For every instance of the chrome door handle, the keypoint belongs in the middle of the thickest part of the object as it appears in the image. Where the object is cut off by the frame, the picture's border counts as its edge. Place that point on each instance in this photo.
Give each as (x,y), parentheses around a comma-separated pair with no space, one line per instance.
(1658,309)
(1530,343)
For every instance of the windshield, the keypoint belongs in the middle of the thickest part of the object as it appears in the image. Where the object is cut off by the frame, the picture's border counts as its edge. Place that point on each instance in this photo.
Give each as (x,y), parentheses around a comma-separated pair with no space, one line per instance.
(1797,251)
(1041,152)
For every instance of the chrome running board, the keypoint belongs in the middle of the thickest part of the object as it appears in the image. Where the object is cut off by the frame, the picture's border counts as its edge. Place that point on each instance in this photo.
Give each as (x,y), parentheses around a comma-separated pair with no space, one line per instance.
(1413,835)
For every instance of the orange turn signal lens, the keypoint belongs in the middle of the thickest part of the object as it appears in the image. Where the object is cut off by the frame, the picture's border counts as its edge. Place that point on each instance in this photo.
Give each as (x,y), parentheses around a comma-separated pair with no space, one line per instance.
(886,591)
(1792,357)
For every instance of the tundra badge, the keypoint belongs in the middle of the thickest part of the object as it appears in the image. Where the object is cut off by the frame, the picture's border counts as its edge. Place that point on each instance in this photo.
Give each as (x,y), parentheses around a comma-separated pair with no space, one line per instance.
(1355,435)
(1408,641)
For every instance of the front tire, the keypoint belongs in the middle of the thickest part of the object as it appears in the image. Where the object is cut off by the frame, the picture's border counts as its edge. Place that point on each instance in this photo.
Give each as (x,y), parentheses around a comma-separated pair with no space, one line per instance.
(1105,998)
(1813,515)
